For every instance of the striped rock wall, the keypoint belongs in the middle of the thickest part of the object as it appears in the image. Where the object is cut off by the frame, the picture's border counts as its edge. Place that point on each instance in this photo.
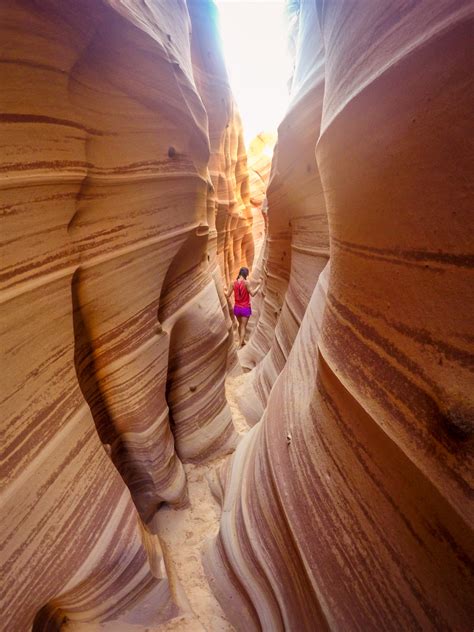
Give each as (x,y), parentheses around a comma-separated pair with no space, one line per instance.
(349,505)
(297,247)
(113,331)
(236,228)
(259,152)
(259,157)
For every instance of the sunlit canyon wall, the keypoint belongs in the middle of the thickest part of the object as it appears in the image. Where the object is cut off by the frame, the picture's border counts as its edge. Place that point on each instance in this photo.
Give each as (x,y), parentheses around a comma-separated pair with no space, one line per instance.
(124,187)
(259,158)
(297,245)
(348,506)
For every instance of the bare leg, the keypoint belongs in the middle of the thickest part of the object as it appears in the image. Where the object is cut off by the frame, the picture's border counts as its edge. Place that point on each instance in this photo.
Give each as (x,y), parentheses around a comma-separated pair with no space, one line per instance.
(243,330)
(239,320)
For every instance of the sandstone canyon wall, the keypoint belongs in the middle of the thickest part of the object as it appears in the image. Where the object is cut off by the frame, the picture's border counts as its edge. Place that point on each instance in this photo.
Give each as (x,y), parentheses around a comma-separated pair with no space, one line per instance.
(348,506)
(297,245)
(259,159)
(123,186)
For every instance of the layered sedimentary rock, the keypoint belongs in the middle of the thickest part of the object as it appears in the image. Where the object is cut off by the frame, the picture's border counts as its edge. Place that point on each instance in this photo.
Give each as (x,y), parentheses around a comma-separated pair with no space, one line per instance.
(349,505)
(259,159)
(297,247)
(114,337)
(236,230)
(259,163)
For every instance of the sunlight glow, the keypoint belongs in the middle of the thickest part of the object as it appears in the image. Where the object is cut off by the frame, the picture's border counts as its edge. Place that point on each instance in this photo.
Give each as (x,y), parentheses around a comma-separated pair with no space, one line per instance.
(254,36)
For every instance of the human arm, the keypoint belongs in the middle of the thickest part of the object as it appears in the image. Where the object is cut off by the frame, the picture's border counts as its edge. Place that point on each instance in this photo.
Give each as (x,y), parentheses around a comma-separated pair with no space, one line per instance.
(255,291)
(229,290)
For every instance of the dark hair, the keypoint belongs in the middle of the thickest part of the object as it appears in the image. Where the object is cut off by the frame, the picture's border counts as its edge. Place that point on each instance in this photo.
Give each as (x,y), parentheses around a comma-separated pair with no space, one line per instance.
(243,272)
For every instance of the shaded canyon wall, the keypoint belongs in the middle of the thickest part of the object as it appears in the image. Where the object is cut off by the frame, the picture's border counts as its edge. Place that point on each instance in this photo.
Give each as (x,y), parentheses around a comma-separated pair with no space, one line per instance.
(124,187)
(348,506)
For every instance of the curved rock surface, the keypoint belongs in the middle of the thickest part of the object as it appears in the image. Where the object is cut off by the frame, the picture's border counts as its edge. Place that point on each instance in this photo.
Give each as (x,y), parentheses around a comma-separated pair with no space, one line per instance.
(236,228)
(115,330)
(349,505)
(297,247)
(259,163)
(259,158)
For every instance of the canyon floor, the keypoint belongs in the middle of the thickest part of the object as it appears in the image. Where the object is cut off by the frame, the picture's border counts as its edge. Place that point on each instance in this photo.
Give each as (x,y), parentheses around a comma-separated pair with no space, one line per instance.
(184,532)
(182,535)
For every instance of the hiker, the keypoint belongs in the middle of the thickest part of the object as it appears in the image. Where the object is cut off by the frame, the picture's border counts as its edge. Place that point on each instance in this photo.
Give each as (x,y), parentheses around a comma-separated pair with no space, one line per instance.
(242,308)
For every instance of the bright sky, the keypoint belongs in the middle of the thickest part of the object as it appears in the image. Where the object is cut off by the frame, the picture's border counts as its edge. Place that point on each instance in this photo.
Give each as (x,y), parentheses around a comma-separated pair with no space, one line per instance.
(254,34)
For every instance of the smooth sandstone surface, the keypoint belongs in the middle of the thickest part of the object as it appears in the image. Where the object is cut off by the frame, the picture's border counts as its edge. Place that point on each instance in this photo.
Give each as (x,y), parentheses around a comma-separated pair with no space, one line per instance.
(297,245)
(128,203)
(259,162)
(236,224)
(348,506)
(115,331)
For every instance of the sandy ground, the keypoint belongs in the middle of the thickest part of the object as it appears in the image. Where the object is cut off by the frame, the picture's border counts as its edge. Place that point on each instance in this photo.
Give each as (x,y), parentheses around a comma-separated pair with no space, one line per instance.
(184,532)
(233,386)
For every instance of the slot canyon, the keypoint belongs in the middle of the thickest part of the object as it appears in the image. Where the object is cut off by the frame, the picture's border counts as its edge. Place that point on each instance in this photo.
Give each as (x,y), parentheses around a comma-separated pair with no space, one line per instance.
(154,476)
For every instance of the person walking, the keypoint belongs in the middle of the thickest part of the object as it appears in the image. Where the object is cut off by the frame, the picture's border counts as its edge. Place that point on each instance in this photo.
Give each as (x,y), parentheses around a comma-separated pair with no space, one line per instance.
(242,307)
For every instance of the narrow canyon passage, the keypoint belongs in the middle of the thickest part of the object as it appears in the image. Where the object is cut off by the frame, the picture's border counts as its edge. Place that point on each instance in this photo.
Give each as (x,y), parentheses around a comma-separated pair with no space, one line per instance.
(185,533)
(154,476)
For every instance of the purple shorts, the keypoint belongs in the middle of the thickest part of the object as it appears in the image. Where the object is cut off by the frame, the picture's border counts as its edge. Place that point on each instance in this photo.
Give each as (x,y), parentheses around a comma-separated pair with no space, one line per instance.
(242,311)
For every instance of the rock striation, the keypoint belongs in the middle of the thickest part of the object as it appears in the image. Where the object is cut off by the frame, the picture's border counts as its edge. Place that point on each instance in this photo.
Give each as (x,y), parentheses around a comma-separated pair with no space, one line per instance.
(259,158)
(297,247)
(349,504)
(123,185)
(259,154)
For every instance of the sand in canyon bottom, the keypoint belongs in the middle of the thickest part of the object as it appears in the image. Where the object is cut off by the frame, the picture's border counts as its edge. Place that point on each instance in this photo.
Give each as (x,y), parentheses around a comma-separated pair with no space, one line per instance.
(184,532)
(182,535)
